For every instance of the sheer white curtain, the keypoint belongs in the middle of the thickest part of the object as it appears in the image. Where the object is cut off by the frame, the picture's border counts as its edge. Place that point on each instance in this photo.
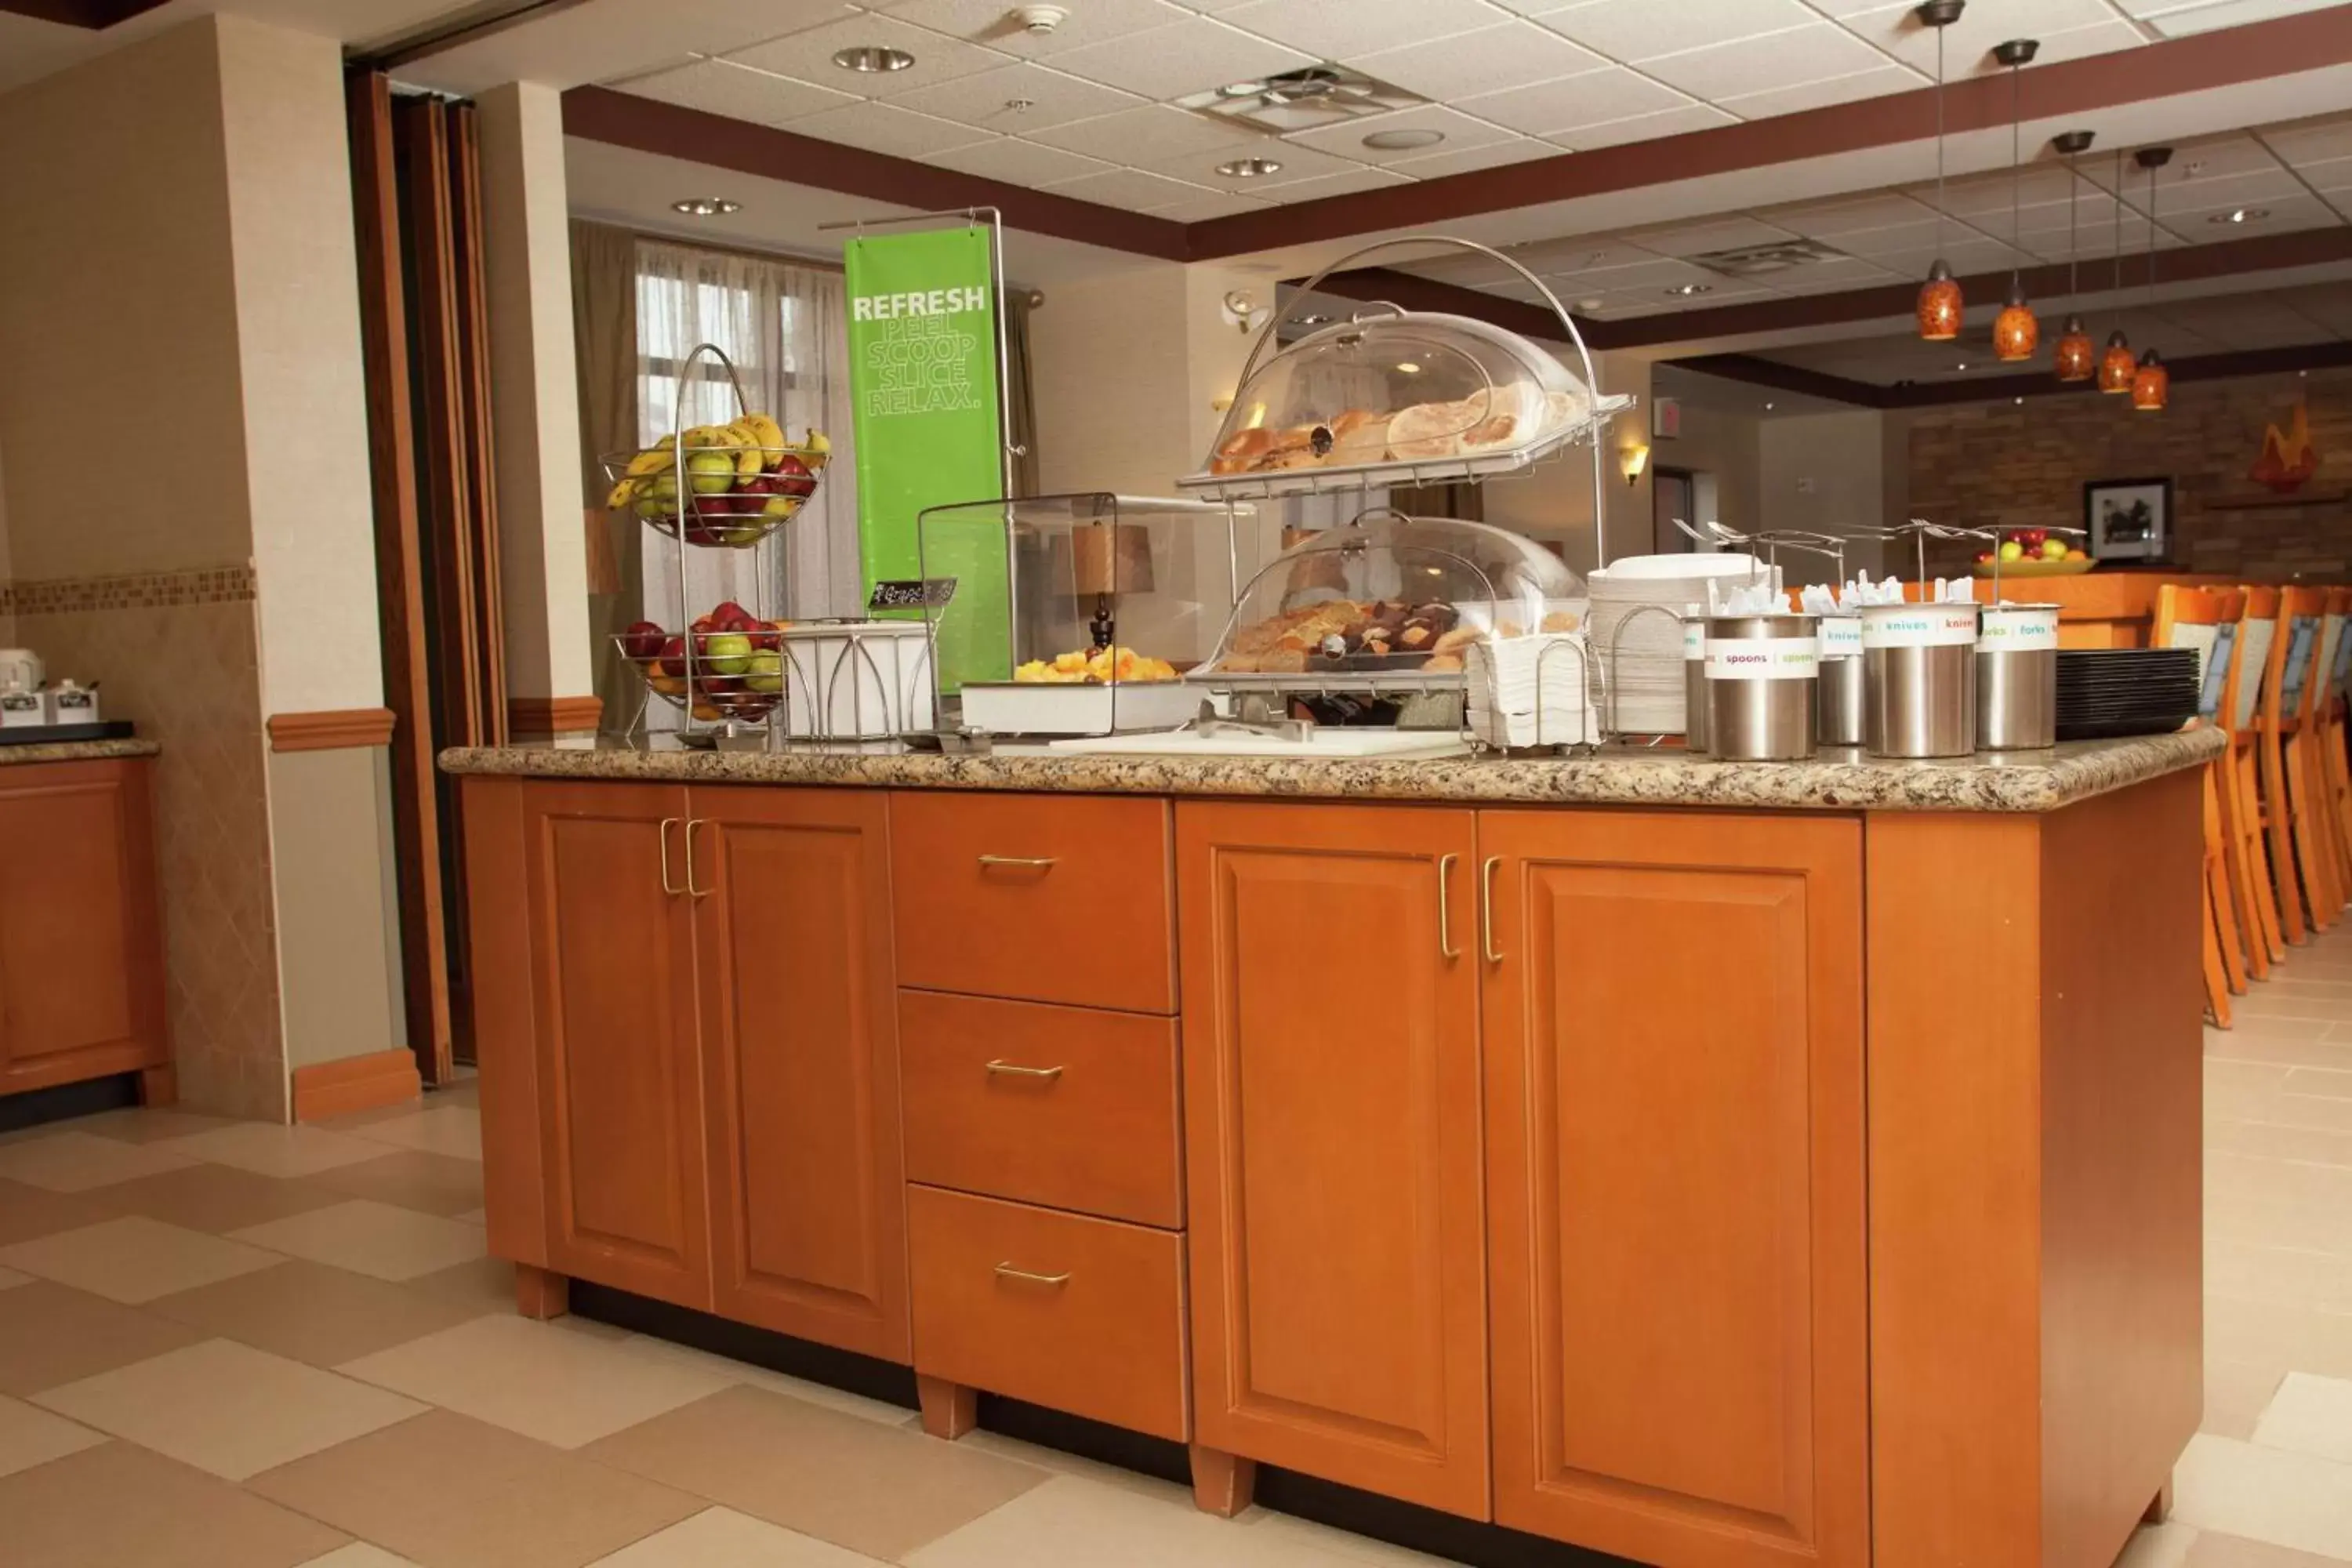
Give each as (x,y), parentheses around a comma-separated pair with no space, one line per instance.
(784,328)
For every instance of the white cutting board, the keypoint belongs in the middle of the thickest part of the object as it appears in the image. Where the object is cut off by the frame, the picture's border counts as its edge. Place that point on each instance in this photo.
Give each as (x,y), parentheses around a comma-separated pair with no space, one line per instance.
(1331,743)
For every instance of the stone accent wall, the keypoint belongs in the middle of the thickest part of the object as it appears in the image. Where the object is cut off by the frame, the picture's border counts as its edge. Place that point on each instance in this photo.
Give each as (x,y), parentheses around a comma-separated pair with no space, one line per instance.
(2005,465)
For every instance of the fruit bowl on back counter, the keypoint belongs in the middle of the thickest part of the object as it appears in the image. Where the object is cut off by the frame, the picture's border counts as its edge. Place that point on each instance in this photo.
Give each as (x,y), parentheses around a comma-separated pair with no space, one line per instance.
(2023,568)
(729,665)
(2034,552)
(742,481)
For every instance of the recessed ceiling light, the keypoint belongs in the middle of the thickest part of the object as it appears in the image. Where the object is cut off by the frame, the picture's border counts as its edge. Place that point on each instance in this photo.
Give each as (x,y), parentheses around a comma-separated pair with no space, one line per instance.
(1403,141)
(1249,168)
(1962,366)
(1591,304)
(705,206)
(1312,321)
(2019,401)
(1408,367)
(1241,89)
(2241,215)
(1686,291)
(1018,105)
(1768,407)
(873,59)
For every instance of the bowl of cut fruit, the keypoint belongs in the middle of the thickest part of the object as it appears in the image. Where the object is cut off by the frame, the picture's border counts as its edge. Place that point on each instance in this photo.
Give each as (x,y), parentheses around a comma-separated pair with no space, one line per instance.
(2032,552)
(727,665)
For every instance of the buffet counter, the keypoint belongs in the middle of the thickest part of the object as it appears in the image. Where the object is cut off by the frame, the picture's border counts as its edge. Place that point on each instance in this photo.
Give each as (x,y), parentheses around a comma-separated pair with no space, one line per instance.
(1719,1165)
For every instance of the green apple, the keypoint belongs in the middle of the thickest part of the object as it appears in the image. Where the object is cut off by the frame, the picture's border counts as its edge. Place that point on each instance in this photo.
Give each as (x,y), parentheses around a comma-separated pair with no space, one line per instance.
(710,470)
(2053,550)
(764,671)
(726,653)
(2011,550)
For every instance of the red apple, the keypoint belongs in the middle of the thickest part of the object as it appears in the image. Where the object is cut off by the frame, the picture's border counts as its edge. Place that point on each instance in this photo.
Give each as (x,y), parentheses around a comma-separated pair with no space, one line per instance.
(673,656)
(1984,557)
(727,615)
(643,640)
(793,478)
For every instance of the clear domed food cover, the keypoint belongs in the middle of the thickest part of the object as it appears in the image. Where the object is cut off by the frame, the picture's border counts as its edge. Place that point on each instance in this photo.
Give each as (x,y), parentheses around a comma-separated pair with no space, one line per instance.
(1390,597)
(1391,388)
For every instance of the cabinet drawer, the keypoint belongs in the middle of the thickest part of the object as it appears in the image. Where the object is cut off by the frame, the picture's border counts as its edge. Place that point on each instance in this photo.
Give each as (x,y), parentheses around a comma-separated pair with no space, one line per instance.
(1038,898)
(1077,1314)
(1068,1107)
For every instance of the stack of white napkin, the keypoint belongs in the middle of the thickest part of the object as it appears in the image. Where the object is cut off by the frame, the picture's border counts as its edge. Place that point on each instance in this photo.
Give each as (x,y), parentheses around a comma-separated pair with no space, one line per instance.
(1533,690)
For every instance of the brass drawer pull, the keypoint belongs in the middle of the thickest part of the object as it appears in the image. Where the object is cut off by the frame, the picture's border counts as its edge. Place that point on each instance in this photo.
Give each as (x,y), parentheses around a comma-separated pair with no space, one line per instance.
(691,824)
(669,886)
(1486,907)
(1446,948)
(1007,1271)
(1014,1069)
(1019,862)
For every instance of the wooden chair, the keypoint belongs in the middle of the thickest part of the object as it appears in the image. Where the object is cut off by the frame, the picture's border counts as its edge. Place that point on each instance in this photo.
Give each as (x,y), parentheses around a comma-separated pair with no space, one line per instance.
(2316,810)
(2302,896)
(2335,763)
(2241,812)
(2206,619)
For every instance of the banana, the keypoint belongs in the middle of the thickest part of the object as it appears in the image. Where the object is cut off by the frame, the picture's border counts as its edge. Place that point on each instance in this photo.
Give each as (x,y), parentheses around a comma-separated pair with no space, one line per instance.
(769,436)
(817,451)
(623,493)
(745,439)
(652,460)
(704,435)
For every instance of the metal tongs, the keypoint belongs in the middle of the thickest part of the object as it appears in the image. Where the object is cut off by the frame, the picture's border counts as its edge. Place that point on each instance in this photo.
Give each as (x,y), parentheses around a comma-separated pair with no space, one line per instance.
(1257,718)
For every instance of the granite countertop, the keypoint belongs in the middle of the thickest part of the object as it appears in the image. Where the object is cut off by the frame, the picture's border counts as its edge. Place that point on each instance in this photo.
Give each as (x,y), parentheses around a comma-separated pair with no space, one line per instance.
(1838,780)
(76,751)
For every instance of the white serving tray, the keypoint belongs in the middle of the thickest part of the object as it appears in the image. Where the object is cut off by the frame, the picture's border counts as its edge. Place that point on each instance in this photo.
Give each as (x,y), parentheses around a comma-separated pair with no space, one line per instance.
(1049,707)
(1337,742)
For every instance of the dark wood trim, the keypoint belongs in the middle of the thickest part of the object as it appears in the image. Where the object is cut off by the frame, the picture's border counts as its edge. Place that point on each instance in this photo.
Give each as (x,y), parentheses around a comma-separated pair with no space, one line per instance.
(96,14)
(481,519)
(537,717)
(2226,57)
(330,730)
(624,120)
(355,1083)
(1757,370)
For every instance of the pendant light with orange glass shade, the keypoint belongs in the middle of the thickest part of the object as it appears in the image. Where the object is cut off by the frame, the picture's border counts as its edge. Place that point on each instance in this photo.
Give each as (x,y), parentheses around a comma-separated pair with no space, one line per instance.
(2117,366)
(2076,357)
(1940,305)
(2151,386)
(2015,331)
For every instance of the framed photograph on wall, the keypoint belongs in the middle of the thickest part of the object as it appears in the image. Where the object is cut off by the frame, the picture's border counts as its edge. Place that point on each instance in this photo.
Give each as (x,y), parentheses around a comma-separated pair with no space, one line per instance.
(2128,519)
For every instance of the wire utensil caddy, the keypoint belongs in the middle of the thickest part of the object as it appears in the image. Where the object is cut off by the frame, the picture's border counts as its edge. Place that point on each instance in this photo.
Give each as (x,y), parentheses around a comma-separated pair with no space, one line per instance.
(721,690)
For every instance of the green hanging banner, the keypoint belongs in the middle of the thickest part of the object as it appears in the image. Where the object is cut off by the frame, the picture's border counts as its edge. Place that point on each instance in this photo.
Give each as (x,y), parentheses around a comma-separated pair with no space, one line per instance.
(923,369)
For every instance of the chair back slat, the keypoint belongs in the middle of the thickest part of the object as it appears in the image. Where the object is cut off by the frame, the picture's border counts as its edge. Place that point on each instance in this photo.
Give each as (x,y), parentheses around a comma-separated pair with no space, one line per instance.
(2257,640)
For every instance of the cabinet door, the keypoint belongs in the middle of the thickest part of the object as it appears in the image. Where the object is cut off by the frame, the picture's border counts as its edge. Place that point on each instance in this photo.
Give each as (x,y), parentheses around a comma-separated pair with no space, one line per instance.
(1330,1037)
(801,1062)
(1675,1182)
(81,990)
(621,1100)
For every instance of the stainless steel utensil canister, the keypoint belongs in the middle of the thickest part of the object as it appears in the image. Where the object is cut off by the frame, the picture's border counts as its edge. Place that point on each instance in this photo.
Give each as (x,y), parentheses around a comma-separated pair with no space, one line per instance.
(1760,674)
(1920,679)
(1840,686)
(1695,682)
(2017,677)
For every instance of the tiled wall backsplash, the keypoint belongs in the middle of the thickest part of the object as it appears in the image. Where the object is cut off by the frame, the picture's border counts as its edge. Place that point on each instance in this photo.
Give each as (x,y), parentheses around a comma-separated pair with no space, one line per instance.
(139,591)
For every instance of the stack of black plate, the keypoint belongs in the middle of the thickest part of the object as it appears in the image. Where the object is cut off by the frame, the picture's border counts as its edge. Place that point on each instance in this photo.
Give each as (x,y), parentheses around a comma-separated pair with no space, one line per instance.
(2110,691)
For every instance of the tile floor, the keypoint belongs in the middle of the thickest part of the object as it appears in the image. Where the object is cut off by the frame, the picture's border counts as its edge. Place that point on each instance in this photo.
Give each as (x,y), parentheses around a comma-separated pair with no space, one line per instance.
(225,1345)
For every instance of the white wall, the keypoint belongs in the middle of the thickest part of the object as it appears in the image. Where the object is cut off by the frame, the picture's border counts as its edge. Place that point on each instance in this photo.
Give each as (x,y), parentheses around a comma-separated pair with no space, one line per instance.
(1822,473)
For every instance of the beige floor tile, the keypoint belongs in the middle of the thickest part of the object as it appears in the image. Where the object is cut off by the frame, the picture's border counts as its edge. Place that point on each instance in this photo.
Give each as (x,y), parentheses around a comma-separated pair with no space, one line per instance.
(2265,1494)
(728,1370)
(474,1216)
(486,1284)
(359,1554)
(2328,1083)
(2289,1042)
(134,1260)
(312,1313)
(452,1130)
(1071,1519)
(119,1506)
(2299,1276)
(77,1162)
(2158,1546)
(1357,1549)
(10,1279)
(2311,1145)
(1063,1464)
(2311,1415)
(271,1151)
(30,1435)
(2237,1393)
(49,1335)
(721,1538)
(546,1381)
(138,1124)
(352,1120)
(227,1408)
(2302,1338)
(217,1198)
(370,1237)
(29,1212)
(876,1489)
(411,1179)
(2216,1550)
(455,1493)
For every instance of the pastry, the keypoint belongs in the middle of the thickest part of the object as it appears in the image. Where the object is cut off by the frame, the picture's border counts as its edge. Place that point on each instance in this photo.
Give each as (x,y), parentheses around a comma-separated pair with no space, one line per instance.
(1455,641)
(1242,448)
(1442,664)
(1361,436)
(1426,432)
(1560,621)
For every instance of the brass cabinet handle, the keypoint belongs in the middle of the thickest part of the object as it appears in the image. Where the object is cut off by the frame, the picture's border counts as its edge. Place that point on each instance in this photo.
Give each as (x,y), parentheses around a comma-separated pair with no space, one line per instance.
(1019,862)
(1013,1069)
(1446,948)
(1487,906)
(669,886)
(691,824)
(1007,1271)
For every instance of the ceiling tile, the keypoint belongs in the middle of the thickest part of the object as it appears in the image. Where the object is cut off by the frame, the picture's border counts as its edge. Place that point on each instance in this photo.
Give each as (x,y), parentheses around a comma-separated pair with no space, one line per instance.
(1876,81)
(1692,239)
(1346,183)
(2334,175)
(2229,13)
(1644,128)
(1559,107)
(1894,239)
(1146,135)
(1208,205)
(880,128)
(1297,163)
(1641,277)
(1966,256)
(985,98)
(1437,165)
(808,54)
(1637,30)
(1816,52)
(1830,278)
(1018,163)
(1968,42)
(1516,54)
(716,87)
(991,23)
(1828,218)
(1461,132)
(1988,195)
(2314,143)
(1132,189)
(2266,187)
(1358,26)
(1191,57)
(2283,214)
(2213,160)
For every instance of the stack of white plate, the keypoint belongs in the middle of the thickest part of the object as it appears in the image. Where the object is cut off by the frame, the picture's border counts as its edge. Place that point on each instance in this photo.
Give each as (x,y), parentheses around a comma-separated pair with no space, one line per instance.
(1645,673)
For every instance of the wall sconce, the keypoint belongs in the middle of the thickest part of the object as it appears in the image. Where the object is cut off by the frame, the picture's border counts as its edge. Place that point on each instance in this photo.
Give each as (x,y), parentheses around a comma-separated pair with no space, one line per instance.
(1631,462)
(1236,309)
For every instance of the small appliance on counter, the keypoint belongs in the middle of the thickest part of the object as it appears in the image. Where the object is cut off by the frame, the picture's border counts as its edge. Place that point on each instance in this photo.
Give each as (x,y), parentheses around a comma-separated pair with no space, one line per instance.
(35,715)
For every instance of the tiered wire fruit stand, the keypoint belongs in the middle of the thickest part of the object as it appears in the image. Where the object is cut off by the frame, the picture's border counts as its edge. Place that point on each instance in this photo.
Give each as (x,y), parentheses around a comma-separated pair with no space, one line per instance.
(726,681)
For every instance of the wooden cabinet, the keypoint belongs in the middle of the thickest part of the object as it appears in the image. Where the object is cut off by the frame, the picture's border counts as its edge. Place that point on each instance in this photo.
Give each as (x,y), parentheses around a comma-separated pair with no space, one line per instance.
(1673,1056)
(1333,1160)
(82,971)
(791,917)
(612,955)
